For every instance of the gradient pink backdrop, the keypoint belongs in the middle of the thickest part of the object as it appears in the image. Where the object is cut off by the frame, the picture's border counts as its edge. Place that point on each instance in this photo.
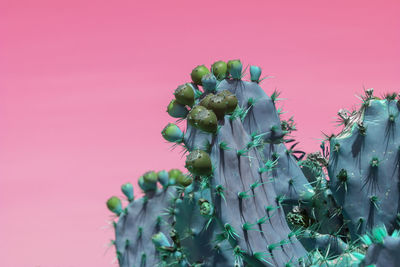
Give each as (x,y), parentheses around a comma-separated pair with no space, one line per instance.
(84,87)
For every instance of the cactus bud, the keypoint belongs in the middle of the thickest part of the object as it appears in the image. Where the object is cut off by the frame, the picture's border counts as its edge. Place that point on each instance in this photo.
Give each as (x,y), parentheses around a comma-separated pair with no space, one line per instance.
(160,240)
(198,162)
(148,182)
(203,119)
(177,110)
(235,69)
(127,189)
(172,133)
(198,73)
(114,205)
(231,103)
(218,105)
(163,178)
(185,95)
(173,176)
(209,82)
(206,208)
(255,73)
(184,180)
(206,100)
(219,69)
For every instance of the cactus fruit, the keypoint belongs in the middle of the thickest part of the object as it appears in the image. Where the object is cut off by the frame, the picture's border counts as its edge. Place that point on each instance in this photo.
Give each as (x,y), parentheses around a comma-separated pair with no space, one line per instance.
(172,133)
(252,198)
(235,68)
(255,73)
(177,110)
(206,100)
(219,69)
(209,82)
(198,162)
(148,182)
(114,205)
(127,189)
(203,119)
(185,94)
(163,178)
(198,73)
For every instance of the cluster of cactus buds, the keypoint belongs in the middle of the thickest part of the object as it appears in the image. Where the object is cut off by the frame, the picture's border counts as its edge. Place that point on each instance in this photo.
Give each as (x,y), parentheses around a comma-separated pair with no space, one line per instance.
(148,183)
(221,104)
(203,109)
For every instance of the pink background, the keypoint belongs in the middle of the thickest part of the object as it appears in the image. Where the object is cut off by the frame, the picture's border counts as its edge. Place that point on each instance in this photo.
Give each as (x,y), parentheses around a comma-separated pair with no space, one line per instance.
(84,87)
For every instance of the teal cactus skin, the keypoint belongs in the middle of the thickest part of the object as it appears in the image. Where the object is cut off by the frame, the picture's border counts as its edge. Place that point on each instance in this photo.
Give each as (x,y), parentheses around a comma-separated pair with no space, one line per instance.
(177,110)
(127,189)
(172,133)
(209,82)
(368,190)
(255,73)
(163,178)
(250,199)
(383,249)
(235,69)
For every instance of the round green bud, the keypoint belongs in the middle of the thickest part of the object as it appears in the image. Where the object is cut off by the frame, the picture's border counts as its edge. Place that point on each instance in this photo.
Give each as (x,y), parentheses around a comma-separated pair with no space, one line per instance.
(173,175)
(114,205)
(193,115)
(206,100)
(235,68)
(231,103)
(219,69)
(198,73)
(218,105)
(184,180)
(172,133)
(198,162)
(148,182)
(207,121)
(160,240)
(184,94)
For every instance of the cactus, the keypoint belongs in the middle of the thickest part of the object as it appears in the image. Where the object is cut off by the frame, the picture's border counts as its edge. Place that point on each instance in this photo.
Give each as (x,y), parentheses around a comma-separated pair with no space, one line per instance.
(251,197)
(364,172)
(383,249)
